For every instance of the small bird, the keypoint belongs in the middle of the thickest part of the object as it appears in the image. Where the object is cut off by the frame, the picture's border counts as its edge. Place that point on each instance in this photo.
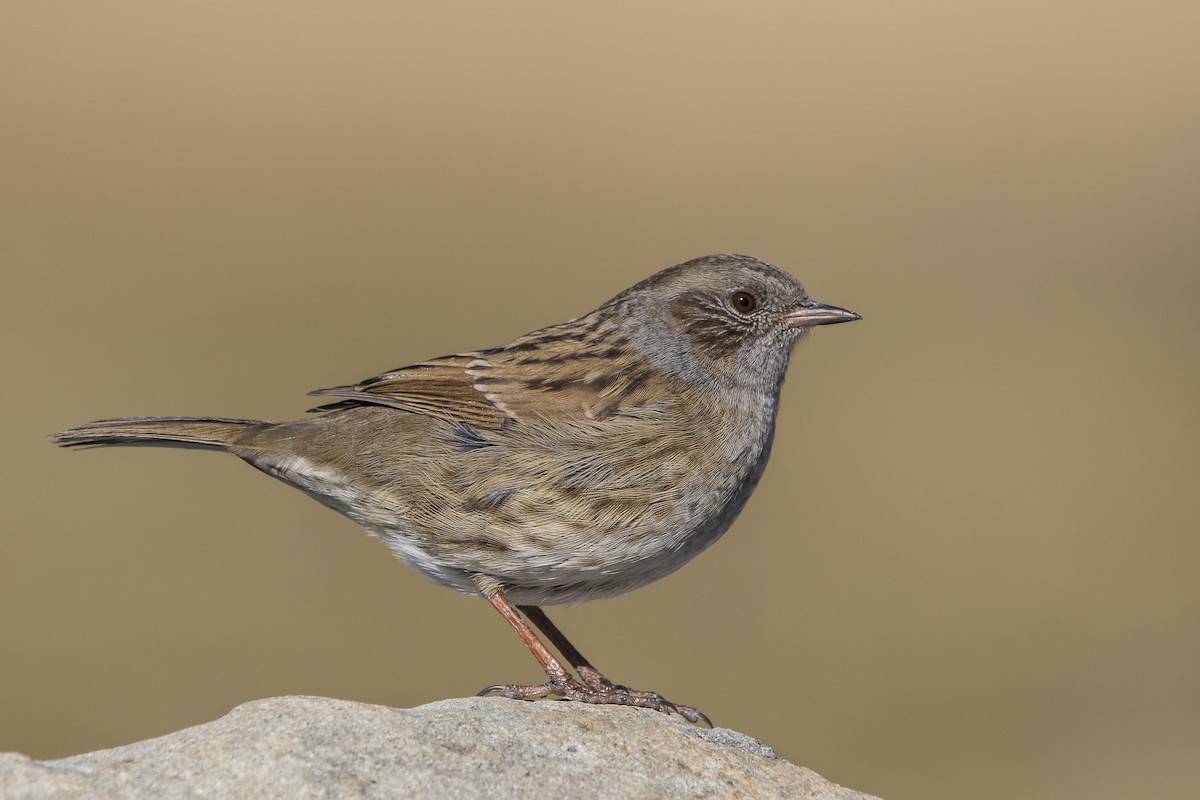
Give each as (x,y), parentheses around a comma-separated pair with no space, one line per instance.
(577,462)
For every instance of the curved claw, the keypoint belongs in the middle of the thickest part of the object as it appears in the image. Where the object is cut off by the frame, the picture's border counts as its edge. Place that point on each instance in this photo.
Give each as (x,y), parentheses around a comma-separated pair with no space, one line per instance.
(519,692)
(694,716)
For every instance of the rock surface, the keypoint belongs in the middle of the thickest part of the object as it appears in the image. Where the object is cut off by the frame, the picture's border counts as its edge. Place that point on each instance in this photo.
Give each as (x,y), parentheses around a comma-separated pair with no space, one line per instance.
(302,747)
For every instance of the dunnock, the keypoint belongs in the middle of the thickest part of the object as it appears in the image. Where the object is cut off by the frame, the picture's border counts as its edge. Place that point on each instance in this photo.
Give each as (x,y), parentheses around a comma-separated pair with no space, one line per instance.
(576,462)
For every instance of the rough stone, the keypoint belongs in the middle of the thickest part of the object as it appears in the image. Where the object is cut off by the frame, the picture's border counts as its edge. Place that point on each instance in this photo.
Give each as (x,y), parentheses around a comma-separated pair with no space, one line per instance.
(312,747)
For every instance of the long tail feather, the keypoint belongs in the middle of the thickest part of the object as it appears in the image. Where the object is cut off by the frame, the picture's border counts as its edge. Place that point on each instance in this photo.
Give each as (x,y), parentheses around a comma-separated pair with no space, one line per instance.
(169,431)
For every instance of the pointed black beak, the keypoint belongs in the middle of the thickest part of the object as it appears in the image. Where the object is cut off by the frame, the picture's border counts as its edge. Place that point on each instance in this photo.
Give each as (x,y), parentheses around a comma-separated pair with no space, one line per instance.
(810,313)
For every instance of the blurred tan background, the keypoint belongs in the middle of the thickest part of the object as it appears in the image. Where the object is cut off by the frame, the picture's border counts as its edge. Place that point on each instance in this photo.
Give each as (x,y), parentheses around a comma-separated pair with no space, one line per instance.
(971,569)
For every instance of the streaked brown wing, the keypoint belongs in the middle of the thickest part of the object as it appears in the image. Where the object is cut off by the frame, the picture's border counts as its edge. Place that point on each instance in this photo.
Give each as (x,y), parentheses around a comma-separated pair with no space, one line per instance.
(576,370)
(440,388)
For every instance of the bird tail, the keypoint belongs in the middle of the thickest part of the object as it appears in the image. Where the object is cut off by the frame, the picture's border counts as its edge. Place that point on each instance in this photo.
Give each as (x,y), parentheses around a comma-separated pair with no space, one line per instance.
(163,431)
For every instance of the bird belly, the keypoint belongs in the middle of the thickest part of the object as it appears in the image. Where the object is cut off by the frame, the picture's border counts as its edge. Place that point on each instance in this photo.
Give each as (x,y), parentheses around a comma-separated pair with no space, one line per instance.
(560,530)
(546,546)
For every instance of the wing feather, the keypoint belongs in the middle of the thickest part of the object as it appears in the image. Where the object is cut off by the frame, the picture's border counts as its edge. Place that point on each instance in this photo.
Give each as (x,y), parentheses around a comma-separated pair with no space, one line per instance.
(580,369)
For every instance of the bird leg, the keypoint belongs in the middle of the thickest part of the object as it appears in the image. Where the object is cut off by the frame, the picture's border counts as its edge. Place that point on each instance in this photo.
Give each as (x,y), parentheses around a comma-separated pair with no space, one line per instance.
(596,679)
(595,688)
(591,676)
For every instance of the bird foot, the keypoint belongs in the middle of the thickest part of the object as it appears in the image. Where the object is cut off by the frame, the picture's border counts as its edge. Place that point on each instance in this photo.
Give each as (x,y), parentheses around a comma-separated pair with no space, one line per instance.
(598,689)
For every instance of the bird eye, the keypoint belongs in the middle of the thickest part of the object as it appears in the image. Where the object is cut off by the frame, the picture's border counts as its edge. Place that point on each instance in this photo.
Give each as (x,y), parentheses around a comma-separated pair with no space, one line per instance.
(744,302)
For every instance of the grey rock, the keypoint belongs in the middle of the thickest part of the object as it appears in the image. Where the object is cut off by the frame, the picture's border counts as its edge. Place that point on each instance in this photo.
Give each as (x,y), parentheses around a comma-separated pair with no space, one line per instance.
(313,747)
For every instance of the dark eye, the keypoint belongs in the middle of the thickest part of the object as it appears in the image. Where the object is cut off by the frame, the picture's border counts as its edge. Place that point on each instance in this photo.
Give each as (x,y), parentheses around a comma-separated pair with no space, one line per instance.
(743,302)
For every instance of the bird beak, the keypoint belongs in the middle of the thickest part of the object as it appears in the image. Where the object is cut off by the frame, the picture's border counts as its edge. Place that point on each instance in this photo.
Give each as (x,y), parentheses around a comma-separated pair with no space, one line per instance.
(810,313)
